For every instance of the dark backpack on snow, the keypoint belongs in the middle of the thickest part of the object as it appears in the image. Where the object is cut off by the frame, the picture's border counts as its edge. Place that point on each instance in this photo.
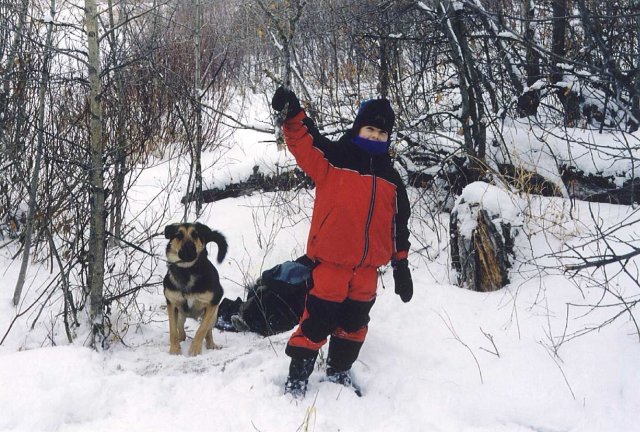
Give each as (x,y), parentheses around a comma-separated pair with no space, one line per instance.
(275,302)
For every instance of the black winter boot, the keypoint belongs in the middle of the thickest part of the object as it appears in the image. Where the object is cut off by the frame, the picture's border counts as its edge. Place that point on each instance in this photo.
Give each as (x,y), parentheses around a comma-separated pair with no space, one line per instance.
(342,354)
(343,378)
(300,369)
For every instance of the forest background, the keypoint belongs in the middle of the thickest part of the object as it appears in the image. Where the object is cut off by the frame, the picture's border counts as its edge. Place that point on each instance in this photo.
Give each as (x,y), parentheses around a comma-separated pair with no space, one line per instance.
(534,98)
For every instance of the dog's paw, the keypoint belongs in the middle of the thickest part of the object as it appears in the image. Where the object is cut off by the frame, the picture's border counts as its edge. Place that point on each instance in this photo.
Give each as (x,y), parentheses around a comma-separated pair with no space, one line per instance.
(195,349)
(211,345)
(175,350)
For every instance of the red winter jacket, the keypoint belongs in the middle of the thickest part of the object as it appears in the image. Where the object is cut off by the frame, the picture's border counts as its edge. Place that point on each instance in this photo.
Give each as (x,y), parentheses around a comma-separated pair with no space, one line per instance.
(361,209)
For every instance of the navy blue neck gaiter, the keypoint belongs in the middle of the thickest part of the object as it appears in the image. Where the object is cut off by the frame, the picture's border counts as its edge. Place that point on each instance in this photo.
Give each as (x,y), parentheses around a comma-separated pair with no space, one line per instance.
(371,146)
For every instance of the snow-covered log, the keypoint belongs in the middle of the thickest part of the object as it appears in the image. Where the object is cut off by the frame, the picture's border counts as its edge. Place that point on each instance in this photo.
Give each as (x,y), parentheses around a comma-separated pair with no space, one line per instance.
(257,182)
(600,188)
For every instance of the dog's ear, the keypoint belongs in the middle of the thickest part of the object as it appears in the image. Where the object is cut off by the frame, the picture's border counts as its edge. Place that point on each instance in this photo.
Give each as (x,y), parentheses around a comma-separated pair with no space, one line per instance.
(209,235)
(170,231)
(203,231)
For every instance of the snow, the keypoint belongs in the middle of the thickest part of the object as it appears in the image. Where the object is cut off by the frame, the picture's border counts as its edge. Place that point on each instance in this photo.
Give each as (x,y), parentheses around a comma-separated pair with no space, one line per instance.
(423,6)
(497,202)
(507,35)
(538,85)
(450,360)
(457,6)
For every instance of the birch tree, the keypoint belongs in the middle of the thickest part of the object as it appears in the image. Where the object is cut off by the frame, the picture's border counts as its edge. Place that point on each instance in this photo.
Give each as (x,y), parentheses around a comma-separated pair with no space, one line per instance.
(96,250)
(197,97)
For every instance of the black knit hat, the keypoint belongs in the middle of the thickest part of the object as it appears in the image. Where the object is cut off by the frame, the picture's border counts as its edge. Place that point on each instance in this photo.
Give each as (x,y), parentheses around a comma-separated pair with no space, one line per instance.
(377,113)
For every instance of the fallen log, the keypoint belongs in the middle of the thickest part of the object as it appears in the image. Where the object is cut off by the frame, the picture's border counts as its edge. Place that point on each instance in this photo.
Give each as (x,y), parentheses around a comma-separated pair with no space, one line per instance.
(284,181)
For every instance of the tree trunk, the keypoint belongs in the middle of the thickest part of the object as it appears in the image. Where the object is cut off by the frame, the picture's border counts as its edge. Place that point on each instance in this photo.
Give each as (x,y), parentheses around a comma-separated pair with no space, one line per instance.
(383,84)
(197,152)
(533,61)
(481,257)
(96,251)
(529,101)
(472,117)
(35,175)
(635,109)
(8,70)
(558,38)
(568,98)
(121,142)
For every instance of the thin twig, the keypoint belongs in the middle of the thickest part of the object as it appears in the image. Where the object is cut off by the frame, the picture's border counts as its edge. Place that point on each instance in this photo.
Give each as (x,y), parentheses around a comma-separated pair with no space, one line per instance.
(495,348)
(449,325)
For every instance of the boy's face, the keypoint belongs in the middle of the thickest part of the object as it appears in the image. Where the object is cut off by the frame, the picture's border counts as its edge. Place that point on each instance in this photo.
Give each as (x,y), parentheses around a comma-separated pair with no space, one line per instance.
(373,133)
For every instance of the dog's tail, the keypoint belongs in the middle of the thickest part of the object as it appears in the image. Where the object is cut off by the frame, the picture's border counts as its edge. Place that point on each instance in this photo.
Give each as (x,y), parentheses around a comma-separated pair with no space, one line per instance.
(221,241)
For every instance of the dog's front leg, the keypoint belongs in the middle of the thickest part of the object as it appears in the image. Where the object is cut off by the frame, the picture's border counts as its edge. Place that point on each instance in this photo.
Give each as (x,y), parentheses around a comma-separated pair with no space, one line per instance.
(174,336)
(204,331)
(181,318)
(209,336)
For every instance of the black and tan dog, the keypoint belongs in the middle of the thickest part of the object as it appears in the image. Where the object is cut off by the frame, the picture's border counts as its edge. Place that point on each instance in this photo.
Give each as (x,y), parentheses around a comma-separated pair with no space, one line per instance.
(192,285)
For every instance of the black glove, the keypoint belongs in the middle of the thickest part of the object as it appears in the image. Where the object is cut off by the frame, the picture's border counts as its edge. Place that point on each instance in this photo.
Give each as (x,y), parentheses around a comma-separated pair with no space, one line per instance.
(281,98)
(402,279)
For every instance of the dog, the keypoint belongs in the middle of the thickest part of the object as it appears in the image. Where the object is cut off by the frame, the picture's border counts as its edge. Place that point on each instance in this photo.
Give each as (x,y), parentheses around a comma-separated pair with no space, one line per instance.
(192,284)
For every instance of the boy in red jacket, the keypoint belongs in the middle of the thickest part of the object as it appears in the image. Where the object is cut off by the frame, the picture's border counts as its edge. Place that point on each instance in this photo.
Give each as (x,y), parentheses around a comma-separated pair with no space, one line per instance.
(359,223)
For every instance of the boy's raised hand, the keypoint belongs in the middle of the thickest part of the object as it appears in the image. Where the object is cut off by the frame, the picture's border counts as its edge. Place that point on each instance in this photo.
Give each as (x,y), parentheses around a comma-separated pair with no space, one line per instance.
(402,279)
(286,99)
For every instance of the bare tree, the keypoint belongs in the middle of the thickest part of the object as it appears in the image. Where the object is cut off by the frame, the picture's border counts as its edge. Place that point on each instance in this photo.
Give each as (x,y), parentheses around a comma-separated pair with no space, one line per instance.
(35,175)
(97,236)
(11,41)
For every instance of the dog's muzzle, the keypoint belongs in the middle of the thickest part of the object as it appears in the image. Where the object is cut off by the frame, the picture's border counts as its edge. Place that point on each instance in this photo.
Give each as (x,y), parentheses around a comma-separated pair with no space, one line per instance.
(188,252)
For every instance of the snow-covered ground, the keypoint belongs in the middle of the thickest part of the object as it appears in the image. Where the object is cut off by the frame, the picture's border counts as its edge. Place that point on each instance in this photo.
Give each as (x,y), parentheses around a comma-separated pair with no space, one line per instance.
(450,360)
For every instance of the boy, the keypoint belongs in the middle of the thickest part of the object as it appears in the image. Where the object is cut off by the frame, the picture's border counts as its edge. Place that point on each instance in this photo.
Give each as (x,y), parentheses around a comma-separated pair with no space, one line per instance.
(359,223)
